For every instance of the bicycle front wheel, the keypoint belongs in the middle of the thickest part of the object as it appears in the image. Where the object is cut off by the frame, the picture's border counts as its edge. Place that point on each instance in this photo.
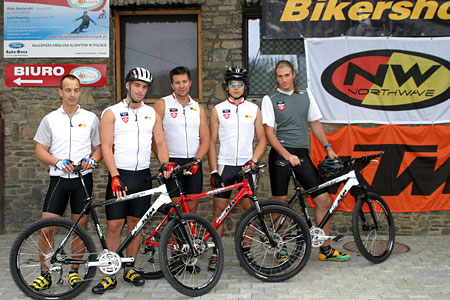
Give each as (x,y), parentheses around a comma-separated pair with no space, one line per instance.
(288,252)
(187,270)
(373,228)
(34,250)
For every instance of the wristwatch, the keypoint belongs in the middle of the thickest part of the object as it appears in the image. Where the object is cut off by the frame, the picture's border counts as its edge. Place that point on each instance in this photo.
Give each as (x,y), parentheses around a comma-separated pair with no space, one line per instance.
(327,146)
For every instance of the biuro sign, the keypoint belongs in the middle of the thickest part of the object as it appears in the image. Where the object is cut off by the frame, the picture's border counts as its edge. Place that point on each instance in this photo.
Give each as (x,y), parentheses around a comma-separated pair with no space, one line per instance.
(388,79)
(414,173)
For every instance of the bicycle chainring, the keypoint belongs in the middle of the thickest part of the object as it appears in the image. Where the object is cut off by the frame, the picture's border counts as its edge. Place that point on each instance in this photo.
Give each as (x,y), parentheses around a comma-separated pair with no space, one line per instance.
(317,236)
(111,262)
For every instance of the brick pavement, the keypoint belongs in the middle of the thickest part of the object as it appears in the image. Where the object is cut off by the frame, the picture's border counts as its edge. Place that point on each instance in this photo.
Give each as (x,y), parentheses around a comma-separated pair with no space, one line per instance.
(421,273)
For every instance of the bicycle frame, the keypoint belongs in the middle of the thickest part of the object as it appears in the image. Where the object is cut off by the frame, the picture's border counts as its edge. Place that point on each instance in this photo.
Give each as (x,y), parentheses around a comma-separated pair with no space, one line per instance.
(89,207)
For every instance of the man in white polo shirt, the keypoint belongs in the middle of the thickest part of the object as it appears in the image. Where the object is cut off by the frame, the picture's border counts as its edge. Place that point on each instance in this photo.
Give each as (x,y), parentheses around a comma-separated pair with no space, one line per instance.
(64,138)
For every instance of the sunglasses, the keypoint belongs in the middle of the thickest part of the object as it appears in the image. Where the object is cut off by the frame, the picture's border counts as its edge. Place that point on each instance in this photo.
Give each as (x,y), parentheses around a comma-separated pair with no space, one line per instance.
(234,84)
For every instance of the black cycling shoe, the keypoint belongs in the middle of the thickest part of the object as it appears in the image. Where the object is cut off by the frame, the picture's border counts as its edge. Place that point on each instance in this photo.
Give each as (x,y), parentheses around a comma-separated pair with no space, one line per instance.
(107,283)
(134,277)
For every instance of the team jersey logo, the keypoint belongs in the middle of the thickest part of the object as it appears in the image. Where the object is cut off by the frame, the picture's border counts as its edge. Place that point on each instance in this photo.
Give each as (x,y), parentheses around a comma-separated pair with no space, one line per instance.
(173,112)
(280,104)
(226,113)
(193,109)
(248,117)
(124,116)
(147,117)
(81,125)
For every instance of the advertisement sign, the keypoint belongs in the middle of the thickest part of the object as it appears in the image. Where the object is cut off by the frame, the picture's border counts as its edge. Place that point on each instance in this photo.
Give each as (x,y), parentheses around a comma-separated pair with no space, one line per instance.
(413,175)
(380,80)
(330,18)
(50,75)
(56,28)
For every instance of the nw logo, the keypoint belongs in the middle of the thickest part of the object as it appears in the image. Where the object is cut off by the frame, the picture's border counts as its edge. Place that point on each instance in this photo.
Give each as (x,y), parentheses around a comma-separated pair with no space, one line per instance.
(389,80)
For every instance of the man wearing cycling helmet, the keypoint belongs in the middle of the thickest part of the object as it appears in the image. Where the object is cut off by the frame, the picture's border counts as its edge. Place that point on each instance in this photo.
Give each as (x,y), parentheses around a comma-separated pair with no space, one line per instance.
(187,134)
(66,137)
(127,129)
(286,113)
(235,122)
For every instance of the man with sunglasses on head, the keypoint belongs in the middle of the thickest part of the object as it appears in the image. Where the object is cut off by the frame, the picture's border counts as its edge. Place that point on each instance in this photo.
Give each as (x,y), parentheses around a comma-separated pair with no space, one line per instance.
(187,134)
(127,130)
(235,122)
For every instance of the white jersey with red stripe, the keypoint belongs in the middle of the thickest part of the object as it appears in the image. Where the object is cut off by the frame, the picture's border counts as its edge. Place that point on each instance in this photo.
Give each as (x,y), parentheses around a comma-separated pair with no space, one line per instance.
(133,132)
(181,127)
(236,131)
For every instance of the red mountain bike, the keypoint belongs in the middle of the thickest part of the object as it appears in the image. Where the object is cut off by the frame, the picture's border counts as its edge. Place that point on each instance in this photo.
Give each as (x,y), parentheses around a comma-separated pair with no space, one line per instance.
(260,237)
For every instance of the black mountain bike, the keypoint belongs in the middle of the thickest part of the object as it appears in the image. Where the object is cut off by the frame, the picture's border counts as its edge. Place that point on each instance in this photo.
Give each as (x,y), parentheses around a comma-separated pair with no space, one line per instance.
(372,221)
(56,244)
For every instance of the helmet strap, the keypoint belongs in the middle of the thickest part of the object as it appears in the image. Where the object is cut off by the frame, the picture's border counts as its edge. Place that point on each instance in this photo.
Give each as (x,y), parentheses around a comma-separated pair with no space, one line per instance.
(129,95)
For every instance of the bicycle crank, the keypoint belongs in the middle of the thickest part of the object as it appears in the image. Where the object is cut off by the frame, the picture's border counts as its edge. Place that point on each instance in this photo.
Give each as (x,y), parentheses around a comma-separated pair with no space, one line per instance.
(110,262)
(318,237)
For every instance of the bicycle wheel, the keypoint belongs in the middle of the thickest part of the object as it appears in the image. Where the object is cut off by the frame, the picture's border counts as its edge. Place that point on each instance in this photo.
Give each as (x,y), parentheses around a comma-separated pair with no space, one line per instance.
(273,262)
(147,261)
(34,249)
(186,271)
(373,228)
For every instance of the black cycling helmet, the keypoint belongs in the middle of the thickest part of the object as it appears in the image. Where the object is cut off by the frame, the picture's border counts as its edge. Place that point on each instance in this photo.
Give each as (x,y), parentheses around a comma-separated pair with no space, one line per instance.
(139,74)
(236,73)
(331,167)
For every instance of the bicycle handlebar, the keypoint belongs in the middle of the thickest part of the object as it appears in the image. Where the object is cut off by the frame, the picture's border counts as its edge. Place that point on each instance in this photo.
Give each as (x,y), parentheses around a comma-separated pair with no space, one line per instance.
(252,170)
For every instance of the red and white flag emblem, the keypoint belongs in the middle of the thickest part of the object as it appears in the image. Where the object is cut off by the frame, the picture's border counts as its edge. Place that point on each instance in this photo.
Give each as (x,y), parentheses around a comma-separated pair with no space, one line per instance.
(173,112)
(280,105)
(226,113)
(124,116)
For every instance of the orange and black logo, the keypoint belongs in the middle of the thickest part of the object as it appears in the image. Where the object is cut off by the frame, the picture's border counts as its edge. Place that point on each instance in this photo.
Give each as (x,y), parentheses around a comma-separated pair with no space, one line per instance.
(389,80)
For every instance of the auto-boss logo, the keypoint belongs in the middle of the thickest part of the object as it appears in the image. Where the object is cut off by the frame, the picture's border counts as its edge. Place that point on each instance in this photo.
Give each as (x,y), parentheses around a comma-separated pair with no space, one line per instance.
(389,79)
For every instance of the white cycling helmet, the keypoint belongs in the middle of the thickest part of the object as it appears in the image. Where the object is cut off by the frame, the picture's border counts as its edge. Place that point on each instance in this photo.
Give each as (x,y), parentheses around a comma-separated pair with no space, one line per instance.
(139,74)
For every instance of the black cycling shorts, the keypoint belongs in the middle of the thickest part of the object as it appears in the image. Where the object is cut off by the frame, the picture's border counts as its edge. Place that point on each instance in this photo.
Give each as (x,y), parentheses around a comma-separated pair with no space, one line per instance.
(230,175)
(60,190)
(306,173)
(192,184)
(135,182)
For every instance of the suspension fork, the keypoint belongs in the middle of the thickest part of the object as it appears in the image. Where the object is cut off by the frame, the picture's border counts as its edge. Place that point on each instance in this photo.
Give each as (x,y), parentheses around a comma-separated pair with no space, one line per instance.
(262,221)
(185,234)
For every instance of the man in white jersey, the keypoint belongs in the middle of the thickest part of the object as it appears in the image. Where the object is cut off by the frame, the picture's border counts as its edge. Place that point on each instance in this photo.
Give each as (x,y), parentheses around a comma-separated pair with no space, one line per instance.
(287,114)
(234,121)
(66,137)
(127,129)
(186,130)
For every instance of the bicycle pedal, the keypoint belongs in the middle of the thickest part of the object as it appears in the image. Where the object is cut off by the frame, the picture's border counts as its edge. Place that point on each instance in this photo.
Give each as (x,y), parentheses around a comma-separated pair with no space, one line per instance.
(338,238)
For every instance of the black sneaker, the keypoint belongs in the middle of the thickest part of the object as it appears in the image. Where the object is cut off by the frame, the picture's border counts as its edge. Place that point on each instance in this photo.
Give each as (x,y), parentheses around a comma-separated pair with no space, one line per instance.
(134,277)
(107,283)
(42,282)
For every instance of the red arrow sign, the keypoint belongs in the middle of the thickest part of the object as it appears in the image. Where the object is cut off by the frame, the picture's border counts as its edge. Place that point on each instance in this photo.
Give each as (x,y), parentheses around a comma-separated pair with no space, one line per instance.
(50,75)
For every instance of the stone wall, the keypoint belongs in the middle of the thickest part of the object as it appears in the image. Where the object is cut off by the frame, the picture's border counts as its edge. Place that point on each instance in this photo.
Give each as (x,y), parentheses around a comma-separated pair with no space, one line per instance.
(26,179)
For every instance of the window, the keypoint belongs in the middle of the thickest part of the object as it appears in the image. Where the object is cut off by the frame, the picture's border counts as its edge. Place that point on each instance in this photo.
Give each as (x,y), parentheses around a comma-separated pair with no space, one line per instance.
(158,41)
(262,56)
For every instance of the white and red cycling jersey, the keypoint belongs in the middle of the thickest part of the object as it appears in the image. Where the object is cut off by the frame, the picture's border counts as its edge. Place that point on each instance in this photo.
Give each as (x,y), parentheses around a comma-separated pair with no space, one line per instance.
(236,131)
(181,127)
(133,132)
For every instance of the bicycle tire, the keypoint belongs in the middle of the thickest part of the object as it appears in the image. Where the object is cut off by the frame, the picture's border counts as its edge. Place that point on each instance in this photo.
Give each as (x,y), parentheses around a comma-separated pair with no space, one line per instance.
(188,274)
(374,244)
(25,262)
(260,259)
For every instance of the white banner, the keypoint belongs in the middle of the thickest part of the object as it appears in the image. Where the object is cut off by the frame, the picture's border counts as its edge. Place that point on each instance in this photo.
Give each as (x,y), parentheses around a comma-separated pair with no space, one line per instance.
(56,28)
(380,80)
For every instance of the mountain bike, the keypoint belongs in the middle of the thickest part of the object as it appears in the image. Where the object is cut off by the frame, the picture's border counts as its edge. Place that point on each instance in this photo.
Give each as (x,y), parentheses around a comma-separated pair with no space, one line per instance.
(259,237)
(50,243)
(372,221)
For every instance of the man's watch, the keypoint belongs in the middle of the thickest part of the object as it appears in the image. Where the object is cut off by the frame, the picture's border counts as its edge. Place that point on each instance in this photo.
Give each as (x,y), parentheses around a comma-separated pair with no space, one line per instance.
(327,146)
(254,160)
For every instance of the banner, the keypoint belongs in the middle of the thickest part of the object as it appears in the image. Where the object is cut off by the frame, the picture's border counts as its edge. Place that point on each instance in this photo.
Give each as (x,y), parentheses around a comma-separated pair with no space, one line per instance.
(380,80)
(414,173)
(330,18)
(50,75)
(56,28)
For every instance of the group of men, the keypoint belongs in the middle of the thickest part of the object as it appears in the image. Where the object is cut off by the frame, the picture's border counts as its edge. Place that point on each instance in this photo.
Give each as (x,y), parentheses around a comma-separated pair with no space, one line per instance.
(176,129)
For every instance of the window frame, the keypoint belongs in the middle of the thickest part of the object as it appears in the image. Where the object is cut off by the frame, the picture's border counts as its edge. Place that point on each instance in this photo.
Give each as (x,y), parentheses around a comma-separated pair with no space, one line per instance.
(118,60)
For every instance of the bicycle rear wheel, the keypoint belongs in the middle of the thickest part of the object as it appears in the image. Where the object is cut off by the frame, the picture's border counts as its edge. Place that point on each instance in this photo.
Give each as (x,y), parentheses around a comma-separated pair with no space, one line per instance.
(34,249)
(266,261)
(373,228)
(186,272)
